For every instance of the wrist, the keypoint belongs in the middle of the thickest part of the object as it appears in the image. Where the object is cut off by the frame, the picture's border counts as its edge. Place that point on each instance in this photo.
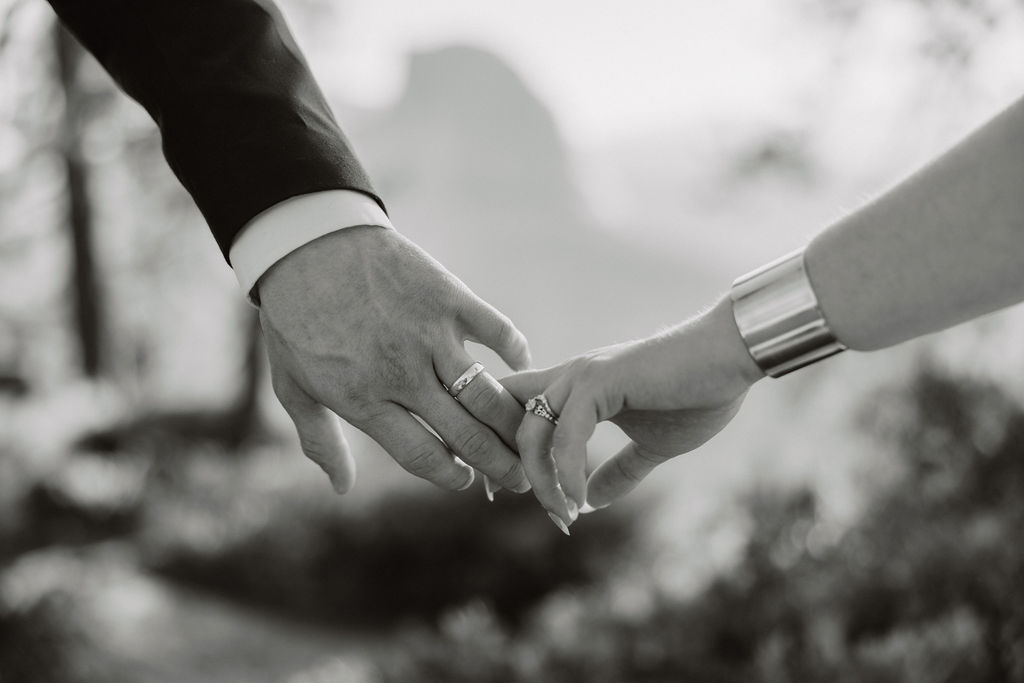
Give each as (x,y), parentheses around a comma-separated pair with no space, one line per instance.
(735,356)
(318,264)
(293,223)
(726,364)
(779,319)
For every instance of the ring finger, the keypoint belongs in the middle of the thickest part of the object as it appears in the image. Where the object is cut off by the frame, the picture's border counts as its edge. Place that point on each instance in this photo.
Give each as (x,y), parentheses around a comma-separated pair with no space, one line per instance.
(474,442)
(484,397)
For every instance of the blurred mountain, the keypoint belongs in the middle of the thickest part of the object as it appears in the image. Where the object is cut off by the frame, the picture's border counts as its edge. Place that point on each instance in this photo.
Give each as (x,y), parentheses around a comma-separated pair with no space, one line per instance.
(475,170)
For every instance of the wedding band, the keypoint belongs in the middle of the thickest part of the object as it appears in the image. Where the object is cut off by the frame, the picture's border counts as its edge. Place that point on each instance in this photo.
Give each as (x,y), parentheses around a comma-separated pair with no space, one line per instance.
(539,406)
(464,379)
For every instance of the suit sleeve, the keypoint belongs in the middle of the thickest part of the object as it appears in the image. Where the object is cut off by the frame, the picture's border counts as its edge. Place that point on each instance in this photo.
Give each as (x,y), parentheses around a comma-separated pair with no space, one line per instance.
(244,125)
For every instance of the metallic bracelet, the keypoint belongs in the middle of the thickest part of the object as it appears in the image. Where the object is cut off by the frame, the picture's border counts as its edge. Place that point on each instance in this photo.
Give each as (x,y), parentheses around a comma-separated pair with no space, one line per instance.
(778,317)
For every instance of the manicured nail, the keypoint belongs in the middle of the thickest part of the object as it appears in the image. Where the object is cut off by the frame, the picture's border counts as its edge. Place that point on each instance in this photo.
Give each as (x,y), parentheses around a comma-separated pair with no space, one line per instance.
(559,523)
(574,509)
(588,508)
(523,486)
(489,488)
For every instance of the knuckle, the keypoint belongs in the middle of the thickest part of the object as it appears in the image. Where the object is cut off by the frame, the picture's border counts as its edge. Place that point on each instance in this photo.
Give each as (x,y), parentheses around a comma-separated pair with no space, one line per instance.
(366,415)
(393,368)
(506,333)
(530,448)
(531,440)
(590,371)
(650,459)
(482,399)
(315,450)
(313,447)
(472,442)
(561,440)
(423,460)
(628,470)
(511,473)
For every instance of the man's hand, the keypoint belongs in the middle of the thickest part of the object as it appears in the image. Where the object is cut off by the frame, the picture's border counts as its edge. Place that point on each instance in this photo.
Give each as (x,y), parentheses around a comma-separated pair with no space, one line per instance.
(669,393)
(362,324)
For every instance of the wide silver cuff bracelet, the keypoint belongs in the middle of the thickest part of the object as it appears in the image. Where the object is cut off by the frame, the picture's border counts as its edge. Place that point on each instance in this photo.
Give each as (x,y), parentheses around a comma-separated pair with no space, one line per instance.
(778,317)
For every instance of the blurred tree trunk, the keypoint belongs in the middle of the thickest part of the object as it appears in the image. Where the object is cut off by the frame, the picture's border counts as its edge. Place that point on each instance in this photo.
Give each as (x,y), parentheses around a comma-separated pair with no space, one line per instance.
(87,304)
(243,417)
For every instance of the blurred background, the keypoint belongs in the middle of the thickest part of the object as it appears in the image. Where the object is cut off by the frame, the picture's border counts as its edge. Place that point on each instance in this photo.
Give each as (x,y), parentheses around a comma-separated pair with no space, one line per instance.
(859,521)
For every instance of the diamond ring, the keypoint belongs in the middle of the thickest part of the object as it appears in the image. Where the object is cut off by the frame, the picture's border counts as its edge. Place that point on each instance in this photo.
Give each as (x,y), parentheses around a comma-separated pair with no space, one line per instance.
(539,406)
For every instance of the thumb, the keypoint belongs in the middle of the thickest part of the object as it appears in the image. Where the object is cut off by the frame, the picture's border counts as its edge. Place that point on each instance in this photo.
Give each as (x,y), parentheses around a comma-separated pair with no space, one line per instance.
(486,325)
(320,434)
(620,474)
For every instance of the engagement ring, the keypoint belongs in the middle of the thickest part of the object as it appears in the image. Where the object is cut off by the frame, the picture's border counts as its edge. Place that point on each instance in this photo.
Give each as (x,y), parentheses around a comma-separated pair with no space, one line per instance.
(539,406)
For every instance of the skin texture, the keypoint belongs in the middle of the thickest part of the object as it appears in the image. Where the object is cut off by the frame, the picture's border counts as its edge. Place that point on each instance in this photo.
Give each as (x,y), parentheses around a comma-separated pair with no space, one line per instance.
(364,325)
(669,393)
(944,246)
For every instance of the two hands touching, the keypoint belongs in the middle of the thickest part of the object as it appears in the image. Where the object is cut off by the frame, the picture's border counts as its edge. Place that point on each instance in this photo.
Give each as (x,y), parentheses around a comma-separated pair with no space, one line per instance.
(360,323)
(364,325)
(669,393)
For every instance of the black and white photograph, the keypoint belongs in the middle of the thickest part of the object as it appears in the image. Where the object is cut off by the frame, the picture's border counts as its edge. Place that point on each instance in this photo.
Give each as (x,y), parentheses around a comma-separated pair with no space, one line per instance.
(391,341)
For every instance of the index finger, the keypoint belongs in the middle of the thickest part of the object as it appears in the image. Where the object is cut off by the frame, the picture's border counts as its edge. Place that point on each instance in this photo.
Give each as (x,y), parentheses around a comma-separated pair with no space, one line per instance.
(527,384)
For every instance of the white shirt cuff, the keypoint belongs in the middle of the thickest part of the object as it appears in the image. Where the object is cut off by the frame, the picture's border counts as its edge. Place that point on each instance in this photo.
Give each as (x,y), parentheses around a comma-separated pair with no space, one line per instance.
(286,226)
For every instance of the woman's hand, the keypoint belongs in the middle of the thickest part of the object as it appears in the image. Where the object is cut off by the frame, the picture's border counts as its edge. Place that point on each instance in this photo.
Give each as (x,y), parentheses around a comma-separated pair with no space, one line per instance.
(669,393)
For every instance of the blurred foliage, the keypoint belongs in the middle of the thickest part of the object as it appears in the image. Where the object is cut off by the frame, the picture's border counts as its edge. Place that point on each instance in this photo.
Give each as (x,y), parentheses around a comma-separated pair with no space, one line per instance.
(952,31)
(43,644)
(203,520)
(408,555)
(927,586)
(194,517)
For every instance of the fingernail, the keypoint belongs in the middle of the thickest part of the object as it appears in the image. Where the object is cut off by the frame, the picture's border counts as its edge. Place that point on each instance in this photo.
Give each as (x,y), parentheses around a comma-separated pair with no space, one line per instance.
(489,488)
(523,486)
(559,523)
(587,508)
(574,509)
(469,482)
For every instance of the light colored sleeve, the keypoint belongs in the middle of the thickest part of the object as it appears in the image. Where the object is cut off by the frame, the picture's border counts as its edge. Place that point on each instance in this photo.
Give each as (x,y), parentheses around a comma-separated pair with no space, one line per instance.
(288,225)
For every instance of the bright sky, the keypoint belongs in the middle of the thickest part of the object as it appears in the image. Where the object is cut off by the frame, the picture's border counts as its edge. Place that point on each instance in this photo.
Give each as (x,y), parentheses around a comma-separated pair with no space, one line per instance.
(611,68)
(605,67)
